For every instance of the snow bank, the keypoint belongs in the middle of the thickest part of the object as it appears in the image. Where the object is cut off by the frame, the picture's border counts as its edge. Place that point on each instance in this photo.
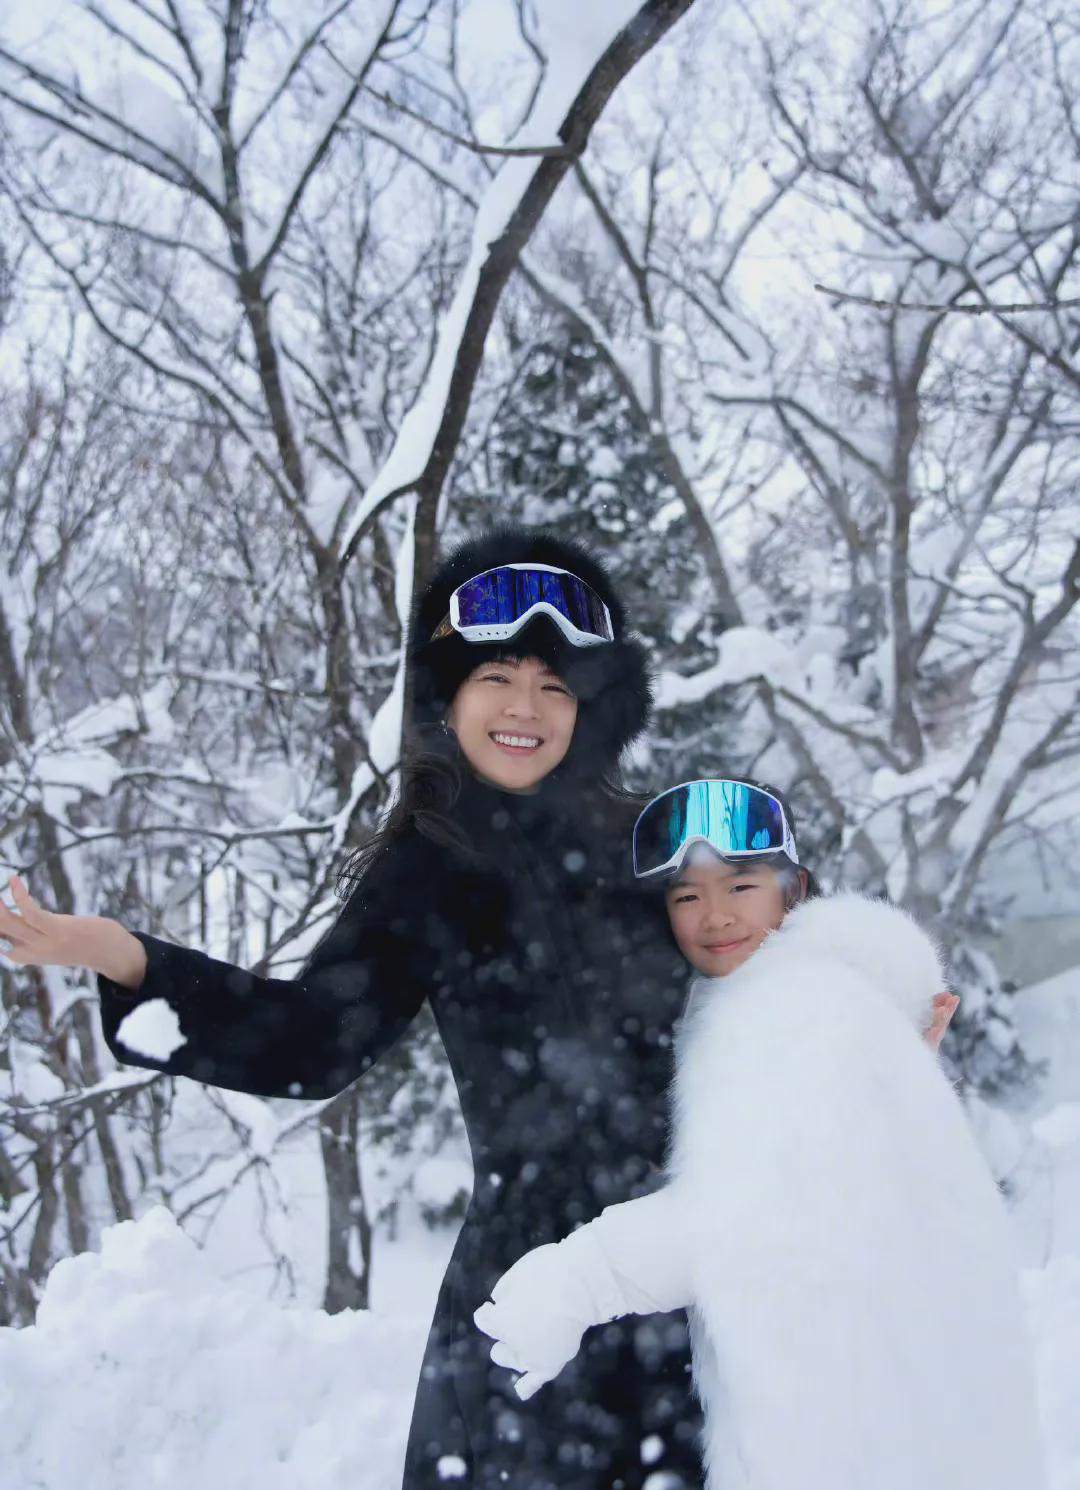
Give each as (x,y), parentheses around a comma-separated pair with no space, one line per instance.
(1047,1211)
(145,1371)
(1052,1296)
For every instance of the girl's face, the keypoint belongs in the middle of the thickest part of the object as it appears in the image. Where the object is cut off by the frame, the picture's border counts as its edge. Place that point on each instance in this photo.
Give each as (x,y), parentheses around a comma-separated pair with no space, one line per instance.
(514,720)
(721,913)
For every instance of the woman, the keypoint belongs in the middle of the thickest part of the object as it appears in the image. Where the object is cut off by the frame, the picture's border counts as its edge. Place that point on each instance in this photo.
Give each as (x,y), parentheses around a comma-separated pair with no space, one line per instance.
(830,1222)
(496,890)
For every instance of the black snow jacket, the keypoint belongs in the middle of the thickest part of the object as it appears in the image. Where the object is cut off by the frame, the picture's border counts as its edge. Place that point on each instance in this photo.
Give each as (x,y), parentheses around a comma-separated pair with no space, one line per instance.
(543,975)
(555,985)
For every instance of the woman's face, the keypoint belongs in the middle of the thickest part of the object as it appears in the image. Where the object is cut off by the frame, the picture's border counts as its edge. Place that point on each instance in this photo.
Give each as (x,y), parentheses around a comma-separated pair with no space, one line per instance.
(721,913)
(514,720)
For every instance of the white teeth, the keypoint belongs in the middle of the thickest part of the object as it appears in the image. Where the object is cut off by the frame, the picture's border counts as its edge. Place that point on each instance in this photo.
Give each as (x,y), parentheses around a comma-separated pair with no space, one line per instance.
(520,740)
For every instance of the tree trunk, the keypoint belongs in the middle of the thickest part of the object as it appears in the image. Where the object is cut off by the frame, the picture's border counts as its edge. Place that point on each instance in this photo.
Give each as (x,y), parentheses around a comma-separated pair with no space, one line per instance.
(348,1271)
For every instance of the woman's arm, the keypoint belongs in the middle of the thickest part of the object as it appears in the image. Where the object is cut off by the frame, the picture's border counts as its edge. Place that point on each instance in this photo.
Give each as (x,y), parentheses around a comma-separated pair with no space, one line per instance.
(633,1259)
(113,951)
(306,1036)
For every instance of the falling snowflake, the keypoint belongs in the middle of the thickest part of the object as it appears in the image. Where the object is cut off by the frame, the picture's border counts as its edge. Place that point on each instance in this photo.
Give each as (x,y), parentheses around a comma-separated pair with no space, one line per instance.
(652,1448)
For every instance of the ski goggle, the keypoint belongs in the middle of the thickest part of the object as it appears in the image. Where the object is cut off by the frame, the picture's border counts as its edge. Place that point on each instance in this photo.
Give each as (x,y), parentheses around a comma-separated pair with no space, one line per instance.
(737,819)
(494,606)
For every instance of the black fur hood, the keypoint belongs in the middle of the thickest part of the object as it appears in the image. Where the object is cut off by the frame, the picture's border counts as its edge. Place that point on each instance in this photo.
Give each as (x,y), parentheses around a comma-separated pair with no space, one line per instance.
(611,681)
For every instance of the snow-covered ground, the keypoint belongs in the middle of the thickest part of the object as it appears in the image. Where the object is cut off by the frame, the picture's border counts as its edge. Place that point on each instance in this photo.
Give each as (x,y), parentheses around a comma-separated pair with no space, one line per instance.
(1047,1209)
(145,1369)
(154,1363)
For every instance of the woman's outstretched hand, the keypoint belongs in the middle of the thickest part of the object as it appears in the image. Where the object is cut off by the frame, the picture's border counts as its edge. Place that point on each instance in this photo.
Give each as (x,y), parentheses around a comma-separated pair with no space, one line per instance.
(40,938)
(945,1006)
(37,936)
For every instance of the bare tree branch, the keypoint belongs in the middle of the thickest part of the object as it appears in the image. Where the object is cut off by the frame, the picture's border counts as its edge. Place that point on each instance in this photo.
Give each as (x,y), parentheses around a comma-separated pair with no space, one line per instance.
(557,152)
(633,42)
(988,308)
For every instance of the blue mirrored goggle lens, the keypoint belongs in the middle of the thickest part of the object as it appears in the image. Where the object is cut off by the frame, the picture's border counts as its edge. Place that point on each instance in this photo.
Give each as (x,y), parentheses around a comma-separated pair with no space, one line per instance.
(731,816)
(503,596)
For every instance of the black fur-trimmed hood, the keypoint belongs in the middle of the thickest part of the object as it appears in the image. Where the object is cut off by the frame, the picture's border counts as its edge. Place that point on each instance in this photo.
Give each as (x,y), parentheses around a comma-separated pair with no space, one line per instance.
(611,681)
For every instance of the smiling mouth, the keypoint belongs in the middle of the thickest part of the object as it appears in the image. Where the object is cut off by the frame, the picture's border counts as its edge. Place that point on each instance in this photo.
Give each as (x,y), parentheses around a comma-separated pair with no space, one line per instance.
(725,946)
(516,744)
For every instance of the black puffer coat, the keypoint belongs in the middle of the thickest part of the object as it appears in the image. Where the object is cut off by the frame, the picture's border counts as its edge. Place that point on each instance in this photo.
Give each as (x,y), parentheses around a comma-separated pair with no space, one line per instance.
(542,966)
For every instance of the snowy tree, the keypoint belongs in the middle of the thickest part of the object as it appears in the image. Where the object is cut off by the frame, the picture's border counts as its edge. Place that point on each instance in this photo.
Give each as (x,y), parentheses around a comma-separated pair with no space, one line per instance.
(881,502)
(67,455)
(285,232)
(294,294)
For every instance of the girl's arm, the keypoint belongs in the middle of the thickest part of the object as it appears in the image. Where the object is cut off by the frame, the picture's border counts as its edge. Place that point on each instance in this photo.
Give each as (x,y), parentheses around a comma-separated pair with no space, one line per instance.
(633,1259)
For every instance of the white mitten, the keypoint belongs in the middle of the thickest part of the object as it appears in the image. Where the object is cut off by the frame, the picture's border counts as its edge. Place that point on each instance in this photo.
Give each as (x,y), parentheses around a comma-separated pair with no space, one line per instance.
(633,1259)
(544,1304)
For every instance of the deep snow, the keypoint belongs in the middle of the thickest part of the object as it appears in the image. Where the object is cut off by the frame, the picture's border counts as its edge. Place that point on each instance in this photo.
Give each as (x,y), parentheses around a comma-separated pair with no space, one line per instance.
(146,1370)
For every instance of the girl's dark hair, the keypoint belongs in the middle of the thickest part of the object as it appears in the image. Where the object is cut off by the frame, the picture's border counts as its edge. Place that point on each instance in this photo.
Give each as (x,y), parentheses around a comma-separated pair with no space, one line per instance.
(788,872)
(790,876)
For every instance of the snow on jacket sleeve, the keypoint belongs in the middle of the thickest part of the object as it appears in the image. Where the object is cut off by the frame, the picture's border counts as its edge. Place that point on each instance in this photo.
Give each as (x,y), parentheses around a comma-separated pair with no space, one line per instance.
(633,1259)
(306,1036)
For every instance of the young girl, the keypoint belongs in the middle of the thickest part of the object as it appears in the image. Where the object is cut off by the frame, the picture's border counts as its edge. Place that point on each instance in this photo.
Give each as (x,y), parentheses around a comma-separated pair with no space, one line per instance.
(496,890)
(829,1221)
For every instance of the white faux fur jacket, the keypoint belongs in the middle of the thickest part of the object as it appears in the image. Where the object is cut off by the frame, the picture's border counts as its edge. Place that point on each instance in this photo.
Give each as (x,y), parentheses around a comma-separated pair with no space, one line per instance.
(832,1228)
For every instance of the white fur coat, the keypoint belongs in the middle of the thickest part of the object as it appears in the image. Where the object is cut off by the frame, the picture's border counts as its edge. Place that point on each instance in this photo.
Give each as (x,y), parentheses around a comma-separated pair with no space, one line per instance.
(856,1319)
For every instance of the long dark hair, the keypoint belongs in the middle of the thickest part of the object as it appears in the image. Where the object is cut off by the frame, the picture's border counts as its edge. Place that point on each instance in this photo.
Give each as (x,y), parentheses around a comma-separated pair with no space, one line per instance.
(430,787)
(433,770)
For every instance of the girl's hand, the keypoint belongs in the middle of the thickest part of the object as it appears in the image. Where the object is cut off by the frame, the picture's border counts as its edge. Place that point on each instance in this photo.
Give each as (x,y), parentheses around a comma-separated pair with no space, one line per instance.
(945,1006)
(536,1318)
(40,938)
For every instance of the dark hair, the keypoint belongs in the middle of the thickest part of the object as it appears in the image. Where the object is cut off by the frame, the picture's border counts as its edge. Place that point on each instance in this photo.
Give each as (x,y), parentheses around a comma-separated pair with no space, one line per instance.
(430,786)
(790,876)
(432,769)
(790,873)
(611,683)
